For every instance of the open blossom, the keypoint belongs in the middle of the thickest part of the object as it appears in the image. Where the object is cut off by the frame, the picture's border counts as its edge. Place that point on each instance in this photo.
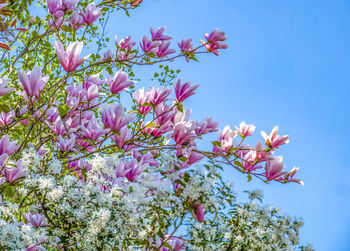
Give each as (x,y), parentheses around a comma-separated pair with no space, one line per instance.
(60,127)
(184,132)
(93,130)
(135,169)
(3,89)
(141,97)
(68,4)
(120,82)
(206,126)
(36,220)
(69,58)
(113,116)
(148,46)
(214,41)
(185,90)
(226,137)
(215,36)
(32,82)
(273,168)
(249,160)
(7,146)
(124,136)
(93,92)
(55,8)
(274,140)
(12,174)
(159,95)
(91,14)
(66,144)
(158,34)
(76,20)
(125,43)
(186,46)
(245,129)
(163,50)
(6,118)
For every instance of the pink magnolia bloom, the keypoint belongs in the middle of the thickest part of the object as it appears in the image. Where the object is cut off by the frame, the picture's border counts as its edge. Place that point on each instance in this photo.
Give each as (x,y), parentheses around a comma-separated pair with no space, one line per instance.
(93,79)
(12,174)
(76,20)
(289,176)
(135,169)
(176,244)
(125,43)
(93,92)
(36,220)
(164,113)
(66,144)
(93,130)
(55,8)
(52,113)
(7,146)
(159,95)
(120,82)
(148,46)
(194,157)
(59,128)
(6,118)
(91,14)
(273,168)
(108,55)
(245,129)
(113,118)
(141,97)
(121,170)
(3,89)
(120,140)
(226,140)
(163,49)
(198,212)
(69,58)
(206,126)
(68,4)
(145,158)
(185,90)
(32,82)
(249,160)
(186,46)
(274,140)
(164,128)
(184,132)
(215,36)
(158,34)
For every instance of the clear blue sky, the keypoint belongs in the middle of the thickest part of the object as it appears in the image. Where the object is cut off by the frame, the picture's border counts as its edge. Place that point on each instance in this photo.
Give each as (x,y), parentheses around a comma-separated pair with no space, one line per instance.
(288,64)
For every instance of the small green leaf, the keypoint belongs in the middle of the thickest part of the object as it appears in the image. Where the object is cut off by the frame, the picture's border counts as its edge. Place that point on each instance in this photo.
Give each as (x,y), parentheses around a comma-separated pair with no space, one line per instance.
(179,107)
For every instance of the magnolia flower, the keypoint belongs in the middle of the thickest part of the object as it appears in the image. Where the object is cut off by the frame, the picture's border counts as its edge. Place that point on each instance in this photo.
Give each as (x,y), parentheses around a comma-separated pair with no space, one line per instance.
(185,90)
(12,174)
(163,50)
(32,82)
(186,46)
(158,34)
(76,20)
(125,43)
(148,46)
(93,130)
(245,129)
(273,168)
(59,128)
(55,8)
(198,212)
(124,136)
(36,220)
(214,41)
(6,118)
(120,82)
(113,118)
(69,58)
(7,146)
(289,176)
(159,95)
(3,89)
(141,97)
(206,126)
(274,140)
(68,4)
(91,14)
(66,144)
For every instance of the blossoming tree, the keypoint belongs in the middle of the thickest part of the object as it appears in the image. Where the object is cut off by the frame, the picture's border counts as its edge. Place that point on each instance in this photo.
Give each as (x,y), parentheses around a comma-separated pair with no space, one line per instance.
(79,170)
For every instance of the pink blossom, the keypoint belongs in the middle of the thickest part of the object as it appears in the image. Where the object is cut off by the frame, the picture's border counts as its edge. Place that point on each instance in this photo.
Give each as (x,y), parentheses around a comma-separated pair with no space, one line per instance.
(249,160)
(93,79)
(141,97)
(274,140)
(159,95)
(245,129)
(145,158)
(164,113)
(289,176)
(93,92)
(12,174)
(135,169)
(108,55)
(148,46)
(91,14)
(7,146)
(120,82)
(226,140)
(163,50)
(184,132)
(59,127)
(194,157)
(273,168)
(6,118)
(215,36)
(76,20)
(125,43)
(176,245)
(122,138)
(66,144)
(55,8)
(32,82)
(68,4)
(186,46)
(158,34)
(93,130)
(113,118)
(69,58)
(185,90)
(3,89)
(164,128)
(36,220)
(206,126)
(198,212)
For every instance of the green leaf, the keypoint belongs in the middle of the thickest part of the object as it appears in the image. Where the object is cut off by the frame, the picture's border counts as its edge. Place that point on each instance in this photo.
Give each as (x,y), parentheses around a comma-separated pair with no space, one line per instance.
(151,125)
(179,107)
(216,143)
(249,177)
(182,158)
(237,163)
(4,108)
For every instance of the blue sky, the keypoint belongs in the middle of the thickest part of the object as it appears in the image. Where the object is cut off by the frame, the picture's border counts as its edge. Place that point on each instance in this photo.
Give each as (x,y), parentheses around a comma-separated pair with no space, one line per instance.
(288,64)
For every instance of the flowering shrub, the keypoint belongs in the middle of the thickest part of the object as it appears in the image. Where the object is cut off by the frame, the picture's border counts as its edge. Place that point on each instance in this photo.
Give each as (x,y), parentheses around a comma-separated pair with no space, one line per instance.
(79,170)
